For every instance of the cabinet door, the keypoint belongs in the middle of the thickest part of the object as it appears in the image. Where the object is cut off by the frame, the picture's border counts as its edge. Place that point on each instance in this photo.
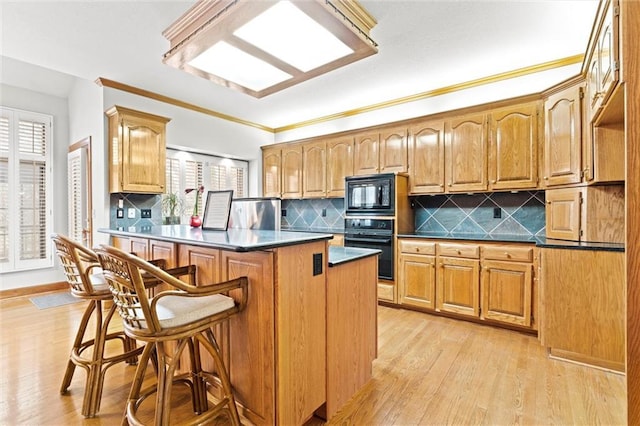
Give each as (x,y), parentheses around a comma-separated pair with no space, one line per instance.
(292,171)
(314,170)
(466,154)
(458,282)
(393,150)
(563,136)
(506,292)
(163,250)
(426,158)
(144,155)
(562,213)
(271,172)
(417,278)
(608,52)
(367,155)
(339,165)
(139,247)
(513,147)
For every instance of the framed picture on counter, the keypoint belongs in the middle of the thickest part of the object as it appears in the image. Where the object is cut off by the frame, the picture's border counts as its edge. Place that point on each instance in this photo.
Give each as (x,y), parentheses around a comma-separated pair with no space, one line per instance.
(216,210)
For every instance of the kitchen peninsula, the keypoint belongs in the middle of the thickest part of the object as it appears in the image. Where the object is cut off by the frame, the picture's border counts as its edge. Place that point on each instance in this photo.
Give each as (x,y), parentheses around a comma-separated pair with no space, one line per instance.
(310,317)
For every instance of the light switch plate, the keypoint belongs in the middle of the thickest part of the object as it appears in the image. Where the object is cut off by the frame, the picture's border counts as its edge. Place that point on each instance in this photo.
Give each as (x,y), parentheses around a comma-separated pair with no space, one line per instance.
(131,213)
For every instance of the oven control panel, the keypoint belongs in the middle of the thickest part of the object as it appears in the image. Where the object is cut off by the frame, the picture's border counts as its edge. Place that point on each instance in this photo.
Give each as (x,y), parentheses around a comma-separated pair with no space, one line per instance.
(368,226)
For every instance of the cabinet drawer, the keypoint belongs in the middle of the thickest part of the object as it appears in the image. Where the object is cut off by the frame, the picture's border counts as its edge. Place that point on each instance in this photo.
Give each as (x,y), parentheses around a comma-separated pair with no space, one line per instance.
(417,247)
(508,253)
(459,250)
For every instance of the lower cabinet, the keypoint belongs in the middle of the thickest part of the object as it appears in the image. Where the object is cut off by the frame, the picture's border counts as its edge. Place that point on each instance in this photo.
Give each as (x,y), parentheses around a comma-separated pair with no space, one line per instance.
(492,282)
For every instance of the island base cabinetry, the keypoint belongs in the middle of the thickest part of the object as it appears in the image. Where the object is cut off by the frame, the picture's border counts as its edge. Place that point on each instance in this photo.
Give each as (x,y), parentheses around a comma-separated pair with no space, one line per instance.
(583,298)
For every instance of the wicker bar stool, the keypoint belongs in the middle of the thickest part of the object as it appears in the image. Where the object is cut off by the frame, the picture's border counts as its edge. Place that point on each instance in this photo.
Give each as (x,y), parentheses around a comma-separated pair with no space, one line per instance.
(86,281)
(185,316)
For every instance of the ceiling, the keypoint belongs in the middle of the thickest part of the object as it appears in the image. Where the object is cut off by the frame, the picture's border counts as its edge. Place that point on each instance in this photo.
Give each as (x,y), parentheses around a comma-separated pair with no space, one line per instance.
(423,45)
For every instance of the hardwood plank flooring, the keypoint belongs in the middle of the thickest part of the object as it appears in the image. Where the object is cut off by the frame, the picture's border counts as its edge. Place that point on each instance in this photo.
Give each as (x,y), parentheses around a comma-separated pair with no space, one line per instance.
(430,370)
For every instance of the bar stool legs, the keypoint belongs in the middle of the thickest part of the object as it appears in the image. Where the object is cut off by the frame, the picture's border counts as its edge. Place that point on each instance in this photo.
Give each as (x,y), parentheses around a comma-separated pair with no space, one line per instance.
(96,365)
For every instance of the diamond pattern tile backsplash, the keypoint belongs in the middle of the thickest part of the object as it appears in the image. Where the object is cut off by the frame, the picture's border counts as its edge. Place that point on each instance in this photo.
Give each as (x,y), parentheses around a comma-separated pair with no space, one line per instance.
(138,202)
(522,213)
(307,214)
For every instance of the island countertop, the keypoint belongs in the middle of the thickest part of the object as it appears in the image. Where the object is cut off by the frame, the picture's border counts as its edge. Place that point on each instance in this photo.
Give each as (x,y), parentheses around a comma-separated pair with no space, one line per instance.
(239,240)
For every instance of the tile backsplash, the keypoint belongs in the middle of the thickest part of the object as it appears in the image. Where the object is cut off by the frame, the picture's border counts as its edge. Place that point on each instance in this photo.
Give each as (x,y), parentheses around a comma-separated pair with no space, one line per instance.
(307,214)
(138,202)
(521,213)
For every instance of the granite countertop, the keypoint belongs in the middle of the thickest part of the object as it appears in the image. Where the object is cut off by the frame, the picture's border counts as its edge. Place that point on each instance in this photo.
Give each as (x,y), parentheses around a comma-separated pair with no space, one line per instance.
(339,255)
(240,240)
(542,242)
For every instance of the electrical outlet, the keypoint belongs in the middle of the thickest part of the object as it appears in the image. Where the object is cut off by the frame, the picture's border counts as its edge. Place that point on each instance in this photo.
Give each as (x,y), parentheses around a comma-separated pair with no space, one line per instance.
(119,213)
(145,213)
(284,212)
(131,213)
(497,213)
(324,212)
(317,264)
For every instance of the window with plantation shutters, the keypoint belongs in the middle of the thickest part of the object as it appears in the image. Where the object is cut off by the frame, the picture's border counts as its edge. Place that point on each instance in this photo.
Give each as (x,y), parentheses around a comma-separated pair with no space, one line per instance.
(25,190)
(190,170)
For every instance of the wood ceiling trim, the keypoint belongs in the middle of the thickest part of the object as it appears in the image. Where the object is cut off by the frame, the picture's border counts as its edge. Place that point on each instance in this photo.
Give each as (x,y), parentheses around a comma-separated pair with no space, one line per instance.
(349,113)
(173,101)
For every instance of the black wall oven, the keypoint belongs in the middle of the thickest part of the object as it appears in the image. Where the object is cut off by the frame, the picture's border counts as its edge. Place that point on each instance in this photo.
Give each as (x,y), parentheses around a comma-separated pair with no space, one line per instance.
(370,195)
(372,234)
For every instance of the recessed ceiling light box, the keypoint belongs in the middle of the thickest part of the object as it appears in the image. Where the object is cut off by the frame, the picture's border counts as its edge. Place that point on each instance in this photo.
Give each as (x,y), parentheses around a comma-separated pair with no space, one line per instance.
(261,47)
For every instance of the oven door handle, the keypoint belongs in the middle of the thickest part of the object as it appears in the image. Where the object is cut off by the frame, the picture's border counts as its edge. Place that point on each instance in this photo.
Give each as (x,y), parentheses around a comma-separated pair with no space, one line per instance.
(368,240)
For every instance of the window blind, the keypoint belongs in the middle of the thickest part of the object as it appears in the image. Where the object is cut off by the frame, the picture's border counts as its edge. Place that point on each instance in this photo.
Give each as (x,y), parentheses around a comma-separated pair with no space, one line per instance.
(25,190)
(75,190)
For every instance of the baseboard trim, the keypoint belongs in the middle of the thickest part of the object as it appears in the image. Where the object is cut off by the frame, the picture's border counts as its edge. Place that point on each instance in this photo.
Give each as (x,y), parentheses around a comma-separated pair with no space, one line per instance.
(36,289)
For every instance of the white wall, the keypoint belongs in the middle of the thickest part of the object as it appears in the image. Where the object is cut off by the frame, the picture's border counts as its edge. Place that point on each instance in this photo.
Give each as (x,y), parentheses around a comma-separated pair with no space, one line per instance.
(505,89)
(28,100)
(204,133)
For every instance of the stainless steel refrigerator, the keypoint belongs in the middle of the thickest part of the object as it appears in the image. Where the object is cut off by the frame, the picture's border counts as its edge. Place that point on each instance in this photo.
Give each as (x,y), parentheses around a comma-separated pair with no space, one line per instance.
(255,213)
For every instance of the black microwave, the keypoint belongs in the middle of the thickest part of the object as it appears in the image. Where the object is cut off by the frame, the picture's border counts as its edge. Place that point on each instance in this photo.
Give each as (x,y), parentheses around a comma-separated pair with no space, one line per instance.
(370,195)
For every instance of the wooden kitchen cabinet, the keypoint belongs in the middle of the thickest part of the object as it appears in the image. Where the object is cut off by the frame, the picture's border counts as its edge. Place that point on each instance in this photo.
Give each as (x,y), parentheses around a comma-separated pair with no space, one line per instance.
(604,57)
(314,170)
(513,147)
(340,154)
(466,153)
(393,150)
(458,278)
(137,151)
(506,284)
(563,137)
(367,154)
(592,213)
(426,158)
(584,306)
(292,171)
(417,273)
(271,172)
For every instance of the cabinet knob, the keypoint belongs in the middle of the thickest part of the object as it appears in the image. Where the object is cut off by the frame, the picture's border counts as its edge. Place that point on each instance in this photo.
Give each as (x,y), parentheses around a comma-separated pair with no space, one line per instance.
(507,255)
(449,184)
(493,182)
(458,251)
(546,178)
(442,185)
(548,202)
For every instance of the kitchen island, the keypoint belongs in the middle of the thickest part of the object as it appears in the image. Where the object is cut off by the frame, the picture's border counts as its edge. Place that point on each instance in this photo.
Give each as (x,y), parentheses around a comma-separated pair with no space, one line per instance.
(307,337)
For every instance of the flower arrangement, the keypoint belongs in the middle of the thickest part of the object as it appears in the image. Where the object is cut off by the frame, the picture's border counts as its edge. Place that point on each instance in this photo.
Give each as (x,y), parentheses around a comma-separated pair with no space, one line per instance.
(195,218)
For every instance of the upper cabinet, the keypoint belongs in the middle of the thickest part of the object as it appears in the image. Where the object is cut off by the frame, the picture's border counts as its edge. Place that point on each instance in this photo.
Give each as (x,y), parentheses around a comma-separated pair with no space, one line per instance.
(393,150)
(426,157)
(314,170)
(513,147)
(563,137)
(292,171)
(271,171)
(367,154)
(604,57)
(466,153)
(383,152)
(137,151)
(340,154)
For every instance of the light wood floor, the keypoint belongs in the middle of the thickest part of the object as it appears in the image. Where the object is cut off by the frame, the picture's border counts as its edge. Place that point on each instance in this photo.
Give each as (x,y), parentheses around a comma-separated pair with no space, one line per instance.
(430,370)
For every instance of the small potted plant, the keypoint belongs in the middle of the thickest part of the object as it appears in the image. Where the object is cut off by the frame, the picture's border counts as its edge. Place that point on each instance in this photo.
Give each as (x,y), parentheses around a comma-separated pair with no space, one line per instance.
(171,207)
(195,220)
